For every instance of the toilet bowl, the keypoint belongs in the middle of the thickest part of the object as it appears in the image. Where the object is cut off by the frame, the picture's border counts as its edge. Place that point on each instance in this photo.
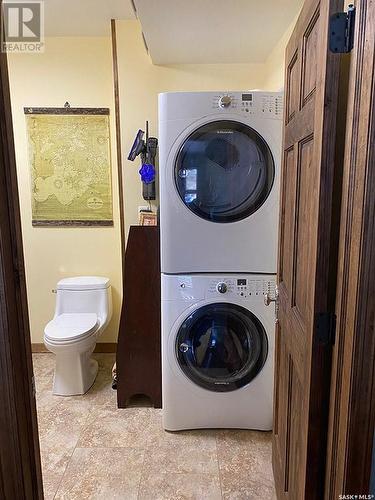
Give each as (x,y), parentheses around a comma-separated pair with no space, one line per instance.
(83,310)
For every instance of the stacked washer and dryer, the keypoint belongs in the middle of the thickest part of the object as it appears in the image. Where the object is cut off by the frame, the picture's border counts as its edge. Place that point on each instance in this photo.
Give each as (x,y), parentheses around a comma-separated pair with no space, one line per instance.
(219,196)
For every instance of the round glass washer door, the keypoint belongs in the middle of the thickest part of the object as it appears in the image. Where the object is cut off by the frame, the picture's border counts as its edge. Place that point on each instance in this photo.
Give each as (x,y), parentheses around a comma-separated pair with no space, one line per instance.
(221,347)
(224,171)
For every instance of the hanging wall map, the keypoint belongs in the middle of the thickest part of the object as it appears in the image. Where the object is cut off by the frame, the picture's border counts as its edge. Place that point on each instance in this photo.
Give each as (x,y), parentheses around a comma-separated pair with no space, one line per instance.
(70,163)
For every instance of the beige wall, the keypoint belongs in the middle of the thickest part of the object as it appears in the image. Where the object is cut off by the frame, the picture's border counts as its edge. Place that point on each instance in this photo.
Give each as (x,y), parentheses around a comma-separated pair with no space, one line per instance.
(140,83)
(78,70)
(274,64)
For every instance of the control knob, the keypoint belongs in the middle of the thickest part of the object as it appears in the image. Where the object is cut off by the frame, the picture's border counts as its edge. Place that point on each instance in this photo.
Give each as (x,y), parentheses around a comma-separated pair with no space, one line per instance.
(225,101)
(222,287)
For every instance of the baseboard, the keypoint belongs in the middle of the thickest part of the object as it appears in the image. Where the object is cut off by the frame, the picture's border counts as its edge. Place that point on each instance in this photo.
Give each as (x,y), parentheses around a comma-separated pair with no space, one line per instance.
(106,347)
(103,347)
(38,348)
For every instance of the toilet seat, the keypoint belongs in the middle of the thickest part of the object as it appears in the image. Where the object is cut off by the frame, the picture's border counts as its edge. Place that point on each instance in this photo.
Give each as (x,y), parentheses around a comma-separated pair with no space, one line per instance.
(71,327)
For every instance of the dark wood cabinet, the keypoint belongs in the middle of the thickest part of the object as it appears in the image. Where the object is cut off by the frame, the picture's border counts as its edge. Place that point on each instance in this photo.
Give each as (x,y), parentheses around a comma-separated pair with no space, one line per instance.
(139,346)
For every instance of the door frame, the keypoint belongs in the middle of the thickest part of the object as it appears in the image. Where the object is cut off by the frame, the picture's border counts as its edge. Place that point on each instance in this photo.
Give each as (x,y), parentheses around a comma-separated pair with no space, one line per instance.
(20,465)
(352,400)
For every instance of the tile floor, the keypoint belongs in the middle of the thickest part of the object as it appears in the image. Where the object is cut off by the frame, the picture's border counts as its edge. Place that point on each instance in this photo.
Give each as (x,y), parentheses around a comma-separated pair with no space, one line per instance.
(92,450)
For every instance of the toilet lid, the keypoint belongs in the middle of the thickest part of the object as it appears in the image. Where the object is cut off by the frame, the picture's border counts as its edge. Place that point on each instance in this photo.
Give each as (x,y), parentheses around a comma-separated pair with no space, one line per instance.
(71,326)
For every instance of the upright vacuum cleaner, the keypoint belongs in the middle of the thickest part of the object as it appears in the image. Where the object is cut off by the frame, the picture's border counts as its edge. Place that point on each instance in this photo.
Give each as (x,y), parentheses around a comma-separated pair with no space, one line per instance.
(147,149)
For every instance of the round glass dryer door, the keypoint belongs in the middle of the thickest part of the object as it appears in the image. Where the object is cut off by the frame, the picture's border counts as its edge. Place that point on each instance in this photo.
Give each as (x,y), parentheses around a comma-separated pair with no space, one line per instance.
(224,171)
(221,347)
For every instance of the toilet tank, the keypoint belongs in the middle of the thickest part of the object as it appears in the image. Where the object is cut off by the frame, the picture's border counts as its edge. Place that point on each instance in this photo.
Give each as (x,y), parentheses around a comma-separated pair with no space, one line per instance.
(85,294)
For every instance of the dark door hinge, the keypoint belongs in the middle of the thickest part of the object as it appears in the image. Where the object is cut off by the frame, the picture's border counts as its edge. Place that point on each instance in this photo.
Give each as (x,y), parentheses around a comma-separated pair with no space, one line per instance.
(341,31)
(325,328)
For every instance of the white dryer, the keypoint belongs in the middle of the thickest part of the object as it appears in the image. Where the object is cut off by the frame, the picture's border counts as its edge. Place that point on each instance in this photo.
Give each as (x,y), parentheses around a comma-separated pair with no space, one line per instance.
(217,351)
(219,157)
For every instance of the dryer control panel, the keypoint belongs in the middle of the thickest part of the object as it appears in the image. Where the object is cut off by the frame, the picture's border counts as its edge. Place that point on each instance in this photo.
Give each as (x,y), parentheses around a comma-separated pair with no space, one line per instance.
(265,104)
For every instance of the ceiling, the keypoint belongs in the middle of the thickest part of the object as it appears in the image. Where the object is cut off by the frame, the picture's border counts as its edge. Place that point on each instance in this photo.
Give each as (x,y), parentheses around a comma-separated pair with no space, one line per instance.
(213,31)
(83,17)
(182,31)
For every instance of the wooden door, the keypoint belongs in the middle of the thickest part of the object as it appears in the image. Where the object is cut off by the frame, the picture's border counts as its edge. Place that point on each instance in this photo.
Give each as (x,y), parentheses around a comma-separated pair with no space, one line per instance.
(303,347)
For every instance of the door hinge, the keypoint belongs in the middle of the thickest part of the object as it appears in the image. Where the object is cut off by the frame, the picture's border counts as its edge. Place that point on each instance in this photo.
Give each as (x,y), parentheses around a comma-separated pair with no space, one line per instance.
(325,327)
(341,31)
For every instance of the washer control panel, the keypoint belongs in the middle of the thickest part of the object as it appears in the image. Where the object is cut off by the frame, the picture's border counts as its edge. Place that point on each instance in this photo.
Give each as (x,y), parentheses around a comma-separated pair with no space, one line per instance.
(264,104)
(232,286)
(249,287)
(242,287)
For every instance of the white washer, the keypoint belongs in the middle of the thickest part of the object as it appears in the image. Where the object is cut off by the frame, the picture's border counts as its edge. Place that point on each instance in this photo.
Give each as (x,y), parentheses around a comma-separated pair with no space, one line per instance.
(219,157)
(217,351)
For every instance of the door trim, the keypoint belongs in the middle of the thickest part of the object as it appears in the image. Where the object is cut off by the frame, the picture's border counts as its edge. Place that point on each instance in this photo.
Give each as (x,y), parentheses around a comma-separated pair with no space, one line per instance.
(20,468)
(352,405)
(116,94)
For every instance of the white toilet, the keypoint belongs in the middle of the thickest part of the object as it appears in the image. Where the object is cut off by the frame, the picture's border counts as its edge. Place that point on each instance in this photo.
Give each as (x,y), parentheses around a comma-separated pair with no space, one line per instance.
(83,310)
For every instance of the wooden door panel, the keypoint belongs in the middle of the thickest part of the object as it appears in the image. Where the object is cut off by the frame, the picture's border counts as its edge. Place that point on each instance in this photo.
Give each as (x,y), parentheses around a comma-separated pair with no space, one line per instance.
(279,450)
(301,291)
(279,372)
(310,43)
(303,127)
(288,422)
(292,336)
(292,86)
(294,475)
(302,361)
(287,213)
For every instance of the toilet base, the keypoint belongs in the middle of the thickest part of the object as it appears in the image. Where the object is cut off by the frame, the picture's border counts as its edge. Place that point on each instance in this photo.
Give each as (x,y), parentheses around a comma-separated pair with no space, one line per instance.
(75,373)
